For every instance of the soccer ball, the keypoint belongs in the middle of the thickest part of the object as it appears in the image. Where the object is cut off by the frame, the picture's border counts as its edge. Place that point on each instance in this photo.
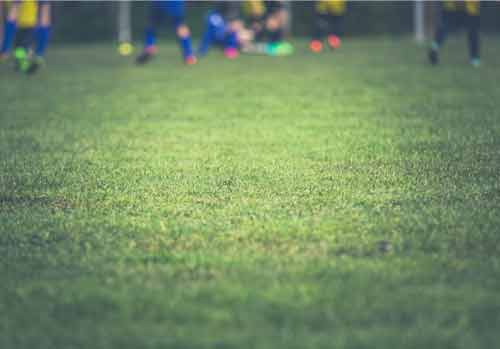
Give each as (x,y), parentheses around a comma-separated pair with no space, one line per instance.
(125,49)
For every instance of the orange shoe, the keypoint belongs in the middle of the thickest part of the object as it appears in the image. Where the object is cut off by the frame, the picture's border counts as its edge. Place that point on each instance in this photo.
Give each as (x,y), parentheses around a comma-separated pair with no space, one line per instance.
(316,46)
(190,60)
(334,41)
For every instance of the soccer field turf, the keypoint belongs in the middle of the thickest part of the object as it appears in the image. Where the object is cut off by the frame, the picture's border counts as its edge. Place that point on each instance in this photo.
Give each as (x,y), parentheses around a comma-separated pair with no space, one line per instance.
(346,200)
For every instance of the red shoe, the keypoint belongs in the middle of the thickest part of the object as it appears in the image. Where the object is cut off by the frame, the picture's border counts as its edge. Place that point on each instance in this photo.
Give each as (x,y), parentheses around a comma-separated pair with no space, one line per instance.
(231,53)
(152,50)
(316,46)
(190,60)
(334,41)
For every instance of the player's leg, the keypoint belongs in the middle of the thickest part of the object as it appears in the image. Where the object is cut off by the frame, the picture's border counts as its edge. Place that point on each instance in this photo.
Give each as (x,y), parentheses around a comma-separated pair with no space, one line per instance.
(221,28)
(445,16)
(336,10)
(155,19)
(184,37)
(232,17)
(43,29)
(231,40)
(26,19)
(275,24)
(320,31)
(23,43)
(275,21)
(337,28)
(473,23)
(42,34)
(214,25)
(175,10)
(10,28)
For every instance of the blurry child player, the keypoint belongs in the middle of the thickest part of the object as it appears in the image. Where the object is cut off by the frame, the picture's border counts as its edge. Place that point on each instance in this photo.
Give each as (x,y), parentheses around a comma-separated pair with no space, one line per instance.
(454,14)
(221,28)
(276,18)
(329,19)
(26,29)
(255,12)
(268,20)
(174,10)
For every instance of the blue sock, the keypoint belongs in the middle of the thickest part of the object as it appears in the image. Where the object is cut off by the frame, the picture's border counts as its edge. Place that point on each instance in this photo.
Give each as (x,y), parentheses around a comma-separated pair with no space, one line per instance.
(42,40)
(215,29)
(231,40)
(9,34)
(205,43)
(186,46)
(150,37)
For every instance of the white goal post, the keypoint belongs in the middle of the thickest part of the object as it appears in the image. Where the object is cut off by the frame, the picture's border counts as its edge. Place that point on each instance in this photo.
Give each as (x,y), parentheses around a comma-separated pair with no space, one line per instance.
(419,21)
(124,22)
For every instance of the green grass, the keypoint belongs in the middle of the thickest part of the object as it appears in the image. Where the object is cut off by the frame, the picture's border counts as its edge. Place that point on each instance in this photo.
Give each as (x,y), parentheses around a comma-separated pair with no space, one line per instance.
(347,200)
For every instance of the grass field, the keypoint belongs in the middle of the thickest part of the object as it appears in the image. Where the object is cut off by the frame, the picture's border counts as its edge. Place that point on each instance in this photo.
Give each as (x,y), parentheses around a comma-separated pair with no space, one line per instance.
(347,200)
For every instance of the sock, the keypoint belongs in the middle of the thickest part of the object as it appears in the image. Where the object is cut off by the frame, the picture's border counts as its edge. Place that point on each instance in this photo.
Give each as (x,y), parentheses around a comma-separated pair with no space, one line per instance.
(150,38)
(9,34)
(231,40)
(435,46)
(186,48)
(207,39)
(42,40)
(205,43)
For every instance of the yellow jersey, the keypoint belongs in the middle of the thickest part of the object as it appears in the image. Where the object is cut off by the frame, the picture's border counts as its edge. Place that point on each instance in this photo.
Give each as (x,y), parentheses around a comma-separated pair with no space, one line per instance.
(27,16)
(332,7)
(254,8)
(471,7)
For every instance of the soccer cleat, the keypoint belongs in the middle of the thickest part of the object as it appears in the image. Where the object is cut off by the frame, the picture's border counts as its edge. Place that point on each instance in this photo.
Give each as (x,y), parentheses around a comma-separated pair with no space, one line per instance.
(475,62)
(279,49)
(190,60)
(34,65)
(433,56)
(146,56)
(334,41)
(231,52)
(316,46)
(285,49)
(143,58)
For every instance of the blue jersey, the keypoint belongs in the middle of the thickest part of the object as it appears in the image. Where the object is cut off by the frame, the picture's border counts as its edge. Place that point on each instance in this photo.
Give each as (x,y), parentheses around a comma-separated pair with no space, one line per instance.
(174,9)
(216,32)
(216,22)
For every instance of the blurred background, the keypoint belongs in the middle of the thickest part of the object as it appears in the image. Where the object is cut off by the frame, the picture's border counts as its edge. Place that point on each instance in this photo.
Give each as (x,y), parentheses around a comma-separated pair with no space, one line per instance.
(94,21)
